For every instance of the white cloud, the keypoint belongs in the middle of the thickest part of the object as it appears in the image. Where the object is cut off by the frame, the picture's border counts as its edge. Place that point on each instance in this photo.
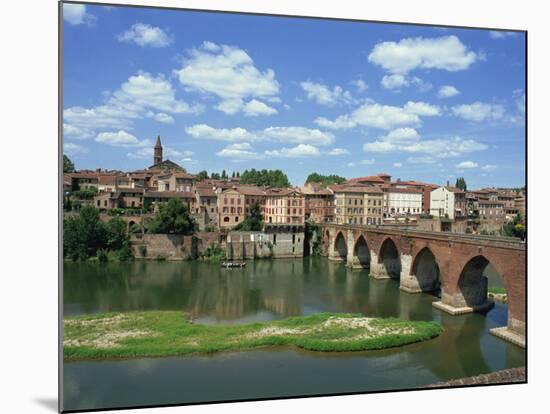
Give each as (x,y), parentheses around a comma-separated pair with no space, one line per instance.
(255,108)
(71,148)
(288,135)
(422,109)
(501,34)
(520,100)
(202,131)
(147,152)
(440,148)
(75,14)
(445,53)
(368,162)
(121,139)
(421,160)
(478,111)
(240,152)
(298,135)
(401,135)
(447,91)
(489,167)
(379,146)
(397,164)
(299,151)
(323,95)
(360,84)
(373,115)
(228,73)
(338,151)
(71,131)
(137,98)
(466,165)
(145,35)
(395,81)
(160,117)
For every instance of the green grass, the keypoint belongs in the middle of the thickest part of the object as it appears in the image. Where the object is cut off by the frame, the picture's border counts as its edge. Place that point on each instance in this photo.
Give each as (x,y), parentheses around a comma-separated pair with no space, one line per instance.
(169,333)
(496,290)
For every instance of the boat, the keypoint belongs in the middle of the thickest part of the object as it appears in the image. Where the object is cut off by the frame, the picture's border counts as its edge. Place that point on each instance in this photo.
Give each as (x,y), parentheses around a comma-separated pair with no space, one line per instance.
(233,264)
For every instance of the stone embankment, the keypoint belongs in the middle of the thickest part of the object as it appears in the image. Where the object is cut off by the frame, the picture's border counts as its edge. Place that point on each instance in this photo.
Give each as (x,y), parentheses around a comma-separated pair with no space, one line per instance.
(504,376)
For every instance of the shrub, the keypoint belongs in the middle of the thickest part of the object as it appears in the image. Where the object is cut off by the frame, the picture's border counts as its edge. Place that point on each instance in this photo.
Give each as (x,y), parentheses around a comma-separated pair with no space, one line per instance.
(102,256)
(125,253)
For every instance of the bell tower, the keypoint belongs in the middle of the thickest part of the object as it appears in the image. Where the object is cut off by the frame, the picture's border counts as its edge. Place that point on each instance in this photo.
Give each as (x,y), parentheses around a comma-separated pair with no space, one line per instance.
(157,158)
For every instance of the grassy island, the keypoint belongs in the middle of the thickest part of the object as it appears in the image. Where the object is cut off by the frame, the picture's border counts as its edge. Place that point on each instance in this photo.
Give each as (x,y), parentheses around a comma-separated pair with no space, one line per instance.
(168,333)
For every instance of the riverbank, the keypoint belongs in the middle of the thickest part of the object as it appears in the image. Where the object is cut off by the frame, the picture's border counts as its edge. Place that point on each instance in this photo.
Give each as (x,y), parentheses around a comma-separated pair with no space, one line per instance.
(505,376)
(169,333)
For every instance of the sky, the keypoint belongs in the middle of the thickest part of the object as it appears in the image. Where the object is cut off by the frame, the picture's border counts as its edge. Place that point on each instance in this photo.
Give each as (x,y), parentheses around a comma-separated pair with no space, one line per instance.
(236,91)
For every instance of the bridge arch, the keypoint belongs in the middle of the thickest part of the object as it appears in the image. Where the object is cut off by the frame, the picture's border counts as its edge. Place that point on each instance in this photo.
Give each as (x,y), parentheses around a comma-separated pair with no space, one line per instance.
(425,269)
(340,246)
(390,258)
(472,286)
(361,252)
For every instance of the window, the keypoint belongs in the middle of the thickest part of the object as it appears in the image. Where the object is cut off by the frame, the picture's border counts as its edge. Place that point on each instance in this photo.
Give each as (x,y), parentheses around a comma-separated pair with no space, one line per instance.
(226,219)
(236,218)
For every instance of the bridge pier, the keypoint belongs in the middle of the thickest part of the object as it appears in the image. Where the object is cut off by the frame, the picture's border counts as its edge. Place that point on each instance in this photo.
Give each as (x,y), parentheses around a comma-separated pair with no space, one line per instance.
(454,302)
(377,269)
(407,282)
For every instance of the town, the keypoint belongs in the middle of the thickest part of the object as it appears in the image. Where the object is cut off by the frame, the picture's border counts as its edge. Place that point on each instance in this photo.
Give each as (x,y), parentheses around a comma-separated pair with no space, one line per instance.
(223,203)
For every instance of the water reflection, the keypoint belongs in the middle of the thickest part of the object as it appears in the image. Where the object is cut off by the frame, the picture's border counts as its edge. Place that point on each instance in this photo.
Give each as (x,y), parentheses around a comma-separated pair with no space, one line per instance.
(267,290)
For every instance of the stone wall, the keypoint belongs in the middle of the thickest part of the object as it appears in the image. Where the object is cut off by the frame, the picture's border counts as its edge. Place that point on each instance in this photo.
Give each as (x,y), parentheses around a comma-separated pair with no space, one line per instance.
(257,245)
(173,246)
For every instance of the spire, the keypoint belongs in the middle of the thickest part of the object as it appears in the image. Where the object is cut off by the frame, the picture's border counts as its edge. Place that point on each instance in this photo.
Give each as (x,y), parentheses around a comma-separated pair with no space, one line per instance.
(157,157)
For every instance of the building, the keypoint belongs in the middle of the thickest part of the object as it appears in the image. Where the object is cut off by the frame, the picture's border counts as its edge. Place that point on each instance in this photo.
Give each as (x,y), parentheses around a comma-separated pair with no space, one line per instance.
(449,202)
(206,205)
(492,210)
(358,204)
(403,201)
(369,180)
(284,206)
(230,208)
(158,163)
(156,198)
(319,203)
(175,181)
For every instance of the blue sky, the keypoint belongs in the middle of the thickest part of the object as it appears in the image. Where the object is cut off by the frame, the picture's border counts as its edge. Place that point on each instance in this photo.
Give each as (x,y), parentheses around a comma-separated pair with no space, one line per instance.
(232,92)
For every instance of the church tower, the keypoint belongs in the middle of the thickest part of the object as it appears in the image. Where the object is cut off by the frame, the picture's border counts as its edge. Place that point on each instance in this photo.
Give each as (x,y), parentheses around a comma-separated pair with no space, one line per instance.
(157,158)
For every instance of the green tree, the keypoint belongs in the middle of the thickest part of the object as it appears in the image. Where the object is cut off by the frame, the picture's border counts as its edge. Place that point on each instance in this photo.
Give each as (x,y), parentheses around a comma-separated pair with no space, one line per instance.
(254,221)
(215,176)
(173,217)
(271,178)
(202,175)
(325,180)
(461,183)
(224,175)
(515,228)
(84,234)
(68,166)
(116,233)
(238,174)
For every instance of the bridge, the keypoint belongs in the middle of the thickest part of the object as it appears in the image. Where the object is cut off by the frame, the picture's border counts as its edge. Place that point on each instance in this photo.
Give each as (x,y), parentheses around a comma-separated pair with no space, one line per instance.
(425,261)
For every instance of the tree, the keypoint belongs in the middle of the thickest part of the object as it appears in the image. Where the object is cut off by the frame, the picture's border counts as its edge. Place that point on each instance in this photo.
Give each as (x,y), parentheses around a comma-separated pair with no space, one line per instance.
(215,176)
(238,174)
(254,222)
(116,233)
(68,166)
(233,174)
(173,217)
(271,178)
(516,228)
(84,234)
(325,180)
(224,175)
(202,175)
(461,183)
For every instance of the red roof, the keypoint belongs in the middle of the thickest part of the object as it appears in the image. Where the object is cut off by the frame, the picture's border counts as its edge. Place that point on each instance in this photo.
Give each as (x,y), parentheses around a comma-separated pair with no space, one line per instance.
(370,178)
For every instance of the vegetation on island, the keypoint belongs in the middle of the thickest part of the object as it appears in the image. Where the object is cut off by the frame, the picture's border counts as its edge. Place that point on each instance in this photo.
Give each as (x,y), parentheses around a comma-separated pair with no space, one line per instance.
(169,333)
(270,178)
(325,180)
(85,236)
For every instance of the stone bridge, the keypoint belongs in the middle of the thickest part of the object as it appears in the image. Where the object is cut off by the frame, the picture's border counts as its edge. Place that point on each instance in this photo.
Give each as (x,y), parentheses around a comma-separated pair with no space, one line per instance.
(425,261)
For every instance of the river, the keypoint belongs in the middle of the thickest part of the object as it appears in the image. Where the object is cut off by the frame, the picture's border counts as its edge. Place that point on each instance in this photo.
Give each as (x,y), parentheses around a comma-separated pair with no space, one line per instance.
(267,290)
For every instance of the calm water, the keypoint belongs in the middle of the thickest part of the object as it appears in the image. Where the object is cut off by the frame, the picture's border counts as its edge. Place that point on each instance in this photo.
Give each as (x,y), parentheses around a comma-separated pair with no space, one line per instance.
(268,290)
